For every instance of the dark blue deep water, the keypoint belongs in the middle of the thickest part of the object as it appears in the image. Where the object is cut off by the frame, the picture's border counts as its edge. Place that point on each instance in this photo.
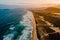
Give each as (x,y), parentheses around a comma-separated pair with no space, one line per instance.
(10,26)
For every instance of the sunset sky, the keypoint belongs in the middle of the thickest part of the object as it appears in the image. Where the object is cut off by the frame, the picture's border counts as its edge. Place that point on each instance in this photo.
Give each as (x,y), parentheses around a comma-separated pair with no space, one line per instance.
(15,2)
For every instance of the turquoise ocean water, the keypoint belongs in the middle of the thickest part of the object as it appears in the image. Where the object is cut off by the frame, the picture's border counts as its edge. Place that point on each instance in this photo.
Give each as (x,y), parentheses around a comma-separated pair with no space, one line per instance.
(15,24)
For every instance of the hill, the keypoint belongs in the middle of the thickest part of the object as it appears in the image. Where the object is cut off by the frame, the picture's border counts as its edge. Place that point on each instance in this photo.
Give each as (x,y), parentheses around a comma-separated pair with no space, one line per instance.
(51,10)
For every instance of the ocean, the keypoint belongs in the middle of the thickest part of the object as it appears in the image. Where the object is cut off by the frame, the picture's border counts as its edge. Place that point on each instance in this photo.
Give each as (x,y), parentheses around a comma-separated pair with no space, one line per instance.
(15,24)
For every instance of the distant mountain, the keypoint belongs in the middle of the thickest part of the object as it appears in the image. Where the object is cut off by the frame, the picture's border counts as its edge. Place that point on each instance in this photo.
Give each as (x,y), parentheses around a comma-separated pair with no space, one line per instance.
(51,9)
(10,6)
(7,6)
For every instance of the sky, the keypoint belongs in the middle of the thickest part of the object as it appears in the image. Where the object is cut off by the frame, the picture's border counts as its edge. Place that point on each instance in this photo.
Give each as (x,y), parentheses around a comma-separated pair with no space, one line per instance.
(18,2)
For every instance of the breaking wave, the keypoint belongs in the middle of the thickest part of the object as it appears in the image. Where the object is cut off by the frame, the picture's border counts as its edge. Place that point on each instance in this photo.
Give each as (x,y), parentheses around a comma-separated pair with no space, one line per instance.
(22,30)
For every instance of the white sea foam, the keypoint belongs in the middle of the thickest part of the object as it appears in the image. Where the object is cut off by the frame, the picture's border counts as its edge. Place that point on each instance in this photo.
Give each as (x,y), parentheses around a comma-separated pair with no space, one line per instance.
(27,22)
(8,37)
(12,27)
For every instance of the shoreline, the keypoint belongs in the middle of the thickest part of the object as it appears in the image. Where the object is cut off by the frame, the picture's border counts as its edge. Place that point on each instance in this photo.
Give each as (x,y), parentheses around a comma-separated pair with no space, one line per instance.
(34,34)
